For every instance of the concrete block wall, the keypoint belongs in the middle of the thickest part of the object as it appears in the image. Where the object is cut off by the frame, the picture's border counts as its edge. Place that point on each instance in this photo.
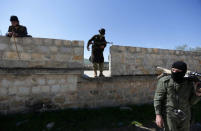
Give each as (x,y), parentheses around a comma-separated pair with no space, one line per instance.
(125,60)
(50,73)
(41,53)
(116,91)
(19,93)
(47,72)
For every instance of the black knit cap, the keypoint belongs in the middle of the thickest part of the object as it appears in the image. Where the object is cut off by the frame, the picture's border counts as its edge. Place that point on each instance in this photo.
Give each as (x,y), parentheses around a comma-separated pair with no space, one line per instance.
(180,65)
(102,30)
(14,18)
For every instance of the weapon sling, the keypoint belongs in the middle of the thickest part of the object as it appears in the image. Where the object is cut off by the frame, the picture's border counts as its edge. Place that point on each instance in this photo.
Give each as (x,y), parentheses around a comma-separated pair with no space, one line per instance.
(16,47)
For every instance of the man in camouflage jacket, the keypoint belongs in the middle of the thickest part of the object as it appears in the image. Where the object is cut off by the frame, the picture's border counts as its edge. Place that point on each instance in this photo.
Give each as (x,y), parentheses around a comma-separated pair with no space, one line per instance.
(98,44)
(173,99)
(16,29)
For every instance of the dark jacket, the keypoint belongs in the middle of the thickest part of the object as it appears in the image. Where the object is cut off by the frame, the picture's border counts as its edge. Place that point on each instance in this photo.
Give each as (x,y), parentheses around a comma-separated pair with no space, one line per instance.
(19,30)
(97,53)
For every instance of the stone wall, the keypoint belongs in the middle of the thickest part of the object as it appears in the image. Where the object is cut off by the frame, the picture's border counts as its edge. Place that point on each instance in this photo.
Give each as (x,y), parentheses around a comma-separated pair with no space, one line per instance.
(116,91)
(46,73)
(27,92)
(126,60)
(49,75)
(41,53)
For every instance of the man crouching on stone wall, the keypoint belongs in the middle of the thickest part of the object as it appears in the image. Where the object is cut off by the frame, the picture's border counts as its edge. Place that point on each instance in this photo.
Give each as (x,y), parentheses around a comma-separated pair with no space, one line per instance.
(98,44)
(173,99)
(16,29)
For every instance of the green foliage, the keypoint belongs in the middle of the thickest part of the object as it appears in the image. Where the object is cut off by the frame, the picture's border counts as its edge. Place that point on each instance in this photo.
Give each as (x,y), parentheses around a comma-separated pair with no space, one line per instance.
(85,119)
(136,123)
(79,119)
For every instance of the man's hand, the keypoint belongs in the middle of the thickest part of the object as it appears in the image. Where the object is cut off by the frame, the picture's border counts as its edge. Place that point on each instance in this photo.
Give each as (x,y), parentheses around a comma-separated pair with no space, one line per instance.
(14,34)
(10,34)
(159,121)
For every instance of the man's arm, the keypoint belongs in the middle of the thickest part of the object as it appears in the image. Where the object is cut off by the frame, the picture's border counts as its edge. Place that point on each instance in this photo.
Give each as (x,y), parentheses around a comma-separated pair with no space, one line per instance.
(9,29)
(194,97)
(9,34)
(22,32)
(104,43)
(90,42)
(158,101)
(159,96)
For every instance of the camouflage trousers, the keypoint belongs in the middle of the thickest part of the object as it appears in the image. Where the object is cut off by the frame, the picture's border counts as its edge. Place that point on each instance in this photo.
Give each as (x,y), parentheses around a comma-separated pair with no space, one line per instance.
(173,124)
(98,66)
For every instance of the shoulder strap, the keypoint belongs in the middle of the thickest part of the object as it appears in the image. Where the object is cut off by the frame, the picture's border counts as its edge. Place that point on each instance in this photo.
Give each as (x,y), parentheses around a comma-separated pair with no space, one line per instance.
(166,81)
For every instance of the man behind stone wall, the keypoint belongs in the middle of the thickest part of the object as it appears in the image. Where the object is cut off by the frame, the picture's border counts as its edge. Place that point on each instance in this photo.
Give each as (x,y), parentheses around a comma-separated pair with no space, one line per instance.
(16,29)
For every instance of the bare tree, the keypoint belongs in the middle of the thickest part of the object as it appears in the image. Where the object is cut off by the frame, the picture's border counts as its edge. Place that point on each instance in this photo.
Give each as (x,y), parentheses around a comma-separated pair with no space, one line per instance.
(185,47)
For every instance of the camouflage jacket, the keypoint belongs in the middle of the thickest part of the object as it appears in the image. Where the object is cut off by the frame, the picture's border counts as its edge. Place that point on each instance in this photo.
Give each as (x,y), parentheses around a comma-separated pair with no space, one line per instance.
(171,95)
(97,41)
(19,30)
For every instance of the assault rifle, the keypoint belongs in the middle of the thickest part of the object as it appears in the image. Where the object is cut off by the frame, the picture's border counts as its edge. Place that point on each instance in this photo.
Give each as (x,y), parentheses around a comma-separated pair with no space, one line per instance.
(111,43)
(189,74)
(102,43)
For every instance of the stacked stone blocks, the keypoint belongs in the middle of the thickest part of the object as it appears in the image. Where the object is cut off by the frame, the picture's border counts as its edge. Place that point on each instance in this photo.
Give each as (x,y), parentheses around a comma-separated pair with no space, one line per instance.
(125,60)
(41,53)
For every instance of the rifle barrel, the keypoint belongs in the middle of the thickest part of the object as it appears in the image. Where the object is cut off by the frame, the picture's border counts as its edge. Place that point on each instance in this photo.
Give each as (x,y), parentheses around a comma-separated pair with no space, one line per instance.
(195,73)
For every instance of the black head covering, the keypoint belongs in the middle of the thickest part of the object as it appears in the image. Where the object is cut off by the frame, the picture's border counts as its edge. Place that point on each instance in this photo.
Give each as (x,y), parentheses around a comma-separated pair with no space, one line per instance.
(180,65)
(14,18)
(179,76)
(102,31)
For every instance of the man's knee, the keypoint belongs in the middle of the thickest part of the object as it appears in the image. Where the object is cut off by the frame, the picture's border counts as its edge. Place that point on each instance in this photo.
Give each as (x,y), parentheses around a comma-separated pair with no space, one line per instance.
(95,65)
(101,66)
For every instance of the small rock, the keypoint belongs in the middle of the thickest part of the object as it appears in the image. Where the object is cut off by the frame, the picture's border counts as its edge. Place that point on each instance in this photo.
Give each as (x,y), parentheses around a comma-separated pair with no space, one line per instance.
(196,127)
(120,124)
(50,125)
(85,76)
(21,122)
(126,108)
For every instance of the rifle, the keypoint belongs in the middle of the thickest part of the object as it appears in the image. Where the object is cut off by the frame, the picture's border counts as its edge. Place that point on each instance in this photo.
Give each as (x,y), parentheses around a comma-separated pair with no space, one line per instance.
(111,43)
(16,46)
(101,43)
(168,72)
(192,76)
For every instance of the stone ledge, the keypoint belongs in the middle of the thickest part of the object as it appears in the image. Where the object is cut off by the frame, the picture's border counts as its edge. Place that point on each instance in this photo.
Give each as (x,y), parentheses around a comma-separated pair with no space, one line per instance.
(125,60)
(41,52)
(119,77)
(35,71)
(41,41)
(131,49)
(39,64)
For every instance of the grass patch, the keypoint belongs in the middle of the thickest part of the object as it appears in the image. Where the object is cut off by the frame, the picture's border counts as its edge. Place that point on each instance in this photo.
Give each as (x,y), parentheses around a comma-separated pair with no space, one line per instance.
(83,119)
